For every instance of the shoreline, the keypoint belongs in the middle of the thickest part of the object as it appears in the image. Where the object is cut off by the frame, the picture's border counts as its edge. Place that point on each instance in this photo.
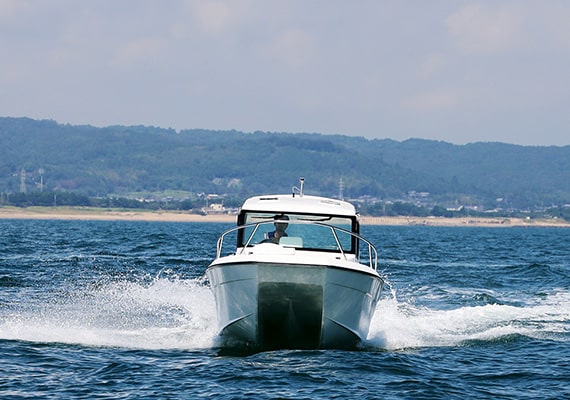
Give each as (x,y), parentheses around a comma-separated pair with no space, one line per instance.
(95,214)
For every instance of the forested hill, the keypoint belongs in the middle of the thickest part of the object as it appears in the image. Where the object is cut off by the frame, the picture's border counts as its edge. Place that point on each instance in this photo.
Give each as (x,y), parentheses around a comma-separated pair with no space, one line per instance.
(129,159)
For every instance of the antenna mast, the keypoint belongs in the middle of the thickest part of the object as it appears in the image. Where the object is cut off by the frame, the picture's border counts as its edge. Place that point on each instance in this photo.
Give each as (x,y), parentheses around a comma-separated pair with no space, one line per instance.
(297,190)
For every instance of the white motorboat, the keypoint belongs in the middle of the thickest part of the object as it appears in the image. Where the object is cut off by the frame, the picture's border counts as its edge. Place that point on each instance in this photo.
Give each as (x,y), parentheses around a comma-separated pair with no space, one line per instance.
(300,277)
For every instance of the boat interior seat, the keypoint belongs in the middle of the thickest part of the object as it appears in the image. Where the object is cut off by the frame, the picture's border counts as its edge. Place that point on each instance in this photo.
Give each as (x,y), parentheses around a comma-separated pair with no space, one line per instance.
(291,241)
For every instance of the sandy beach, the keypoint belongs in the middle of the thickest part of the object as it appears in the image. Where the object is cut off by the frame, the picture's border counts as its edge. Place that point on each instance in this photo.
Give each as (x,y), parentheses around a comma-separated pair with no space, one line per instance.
(81,213)
(94,214)
(468,221)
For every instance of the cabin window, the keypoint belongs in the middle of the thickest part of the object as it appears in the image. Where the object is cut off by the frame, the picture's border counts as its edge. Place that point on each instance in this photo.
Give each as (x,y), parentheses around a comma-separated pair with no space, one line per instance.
(310,232)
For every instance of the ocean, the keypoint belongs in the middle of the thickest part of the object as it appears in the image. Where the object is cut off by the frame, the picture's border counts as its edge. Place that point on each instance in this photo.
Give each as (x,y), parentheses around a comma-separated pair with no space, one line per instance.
(121,310)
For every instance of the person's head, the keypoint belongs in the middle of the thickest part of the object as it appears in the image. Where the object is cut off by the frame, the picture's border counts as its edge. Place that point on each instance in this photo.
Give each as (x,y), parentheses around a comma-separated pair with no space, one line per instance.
(280,226)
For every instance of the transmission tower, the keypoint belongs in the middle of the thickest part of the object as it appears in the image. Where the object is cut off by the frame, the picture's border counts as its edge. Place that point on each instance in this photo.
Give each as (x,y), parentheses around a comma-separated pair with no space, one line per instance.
(41,171)
(23,181)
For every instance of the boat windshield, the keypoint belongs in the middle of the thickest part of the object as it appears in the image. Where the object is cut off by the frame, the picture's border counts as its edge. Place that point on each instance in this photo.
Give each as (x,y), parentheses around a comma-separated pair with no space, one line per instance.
(306,231)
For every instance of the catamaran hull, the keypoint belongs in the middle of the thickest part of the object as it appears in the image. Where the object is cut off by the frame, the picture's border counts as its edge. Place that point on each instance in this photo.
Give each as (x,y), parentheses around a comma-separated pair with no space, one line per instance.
(275,306)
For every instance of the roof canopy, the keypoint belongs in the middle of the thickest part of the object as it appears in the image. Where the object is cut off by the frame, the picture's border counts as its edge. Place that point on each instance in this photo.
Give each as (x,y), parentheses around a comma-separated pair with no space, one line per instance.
(287,203)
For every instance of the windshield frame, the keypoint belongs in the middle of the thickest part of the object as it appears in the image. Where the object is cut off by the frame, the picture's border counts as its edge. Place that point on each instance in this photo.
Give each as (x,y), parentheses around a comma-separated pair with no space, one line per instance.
(258,220)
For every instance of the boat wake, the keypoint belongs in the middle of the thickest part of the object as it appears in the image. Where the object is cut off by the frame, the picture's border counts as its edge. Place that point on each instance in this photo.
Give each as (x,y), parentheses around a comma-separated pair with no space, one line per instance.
(162,314)
(402,325)
(170,313)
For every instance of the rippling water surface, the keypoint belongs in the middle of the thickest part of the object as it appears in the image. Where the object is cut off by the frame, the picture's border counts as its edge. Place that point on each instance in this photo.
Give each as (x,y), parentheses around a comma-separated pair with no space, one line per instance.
(104,309)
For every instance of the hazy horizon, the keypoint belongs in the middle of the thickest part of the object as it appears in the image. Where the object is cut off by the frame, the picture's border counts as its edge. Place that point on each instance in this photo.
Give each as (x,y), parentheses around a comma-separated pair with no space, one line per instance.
(454,71)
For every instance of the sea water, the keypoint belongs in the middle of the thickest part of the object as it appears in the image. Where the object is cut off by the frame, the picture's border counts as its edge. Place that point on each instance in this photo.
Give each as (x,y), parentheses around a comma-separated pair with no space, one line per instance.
(108,309)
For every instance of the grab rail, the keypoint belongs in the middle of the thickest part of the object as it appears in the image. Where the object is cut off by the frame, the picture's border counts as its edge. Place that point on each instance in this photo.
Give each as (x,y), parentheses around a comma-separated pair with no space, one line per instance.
(372,252)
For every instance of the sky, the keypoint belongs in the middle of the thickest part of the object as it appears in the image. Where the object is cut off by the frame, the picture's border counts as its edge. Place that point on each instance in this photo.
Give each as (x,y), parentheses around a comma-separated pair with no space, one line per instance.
(450,70)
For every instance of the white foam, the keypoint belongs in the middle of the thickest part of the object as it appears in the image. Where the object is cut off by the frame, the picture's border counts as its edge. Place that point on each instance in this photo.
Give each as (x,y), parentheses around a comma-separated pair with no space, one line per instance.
(164,314)
(401,325)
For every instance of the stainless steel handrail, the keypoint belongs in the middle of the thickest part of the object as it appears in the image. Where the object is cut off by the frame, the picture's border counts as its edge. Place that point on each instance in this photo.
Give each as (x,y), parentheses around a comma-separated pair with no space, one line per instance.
(372,252)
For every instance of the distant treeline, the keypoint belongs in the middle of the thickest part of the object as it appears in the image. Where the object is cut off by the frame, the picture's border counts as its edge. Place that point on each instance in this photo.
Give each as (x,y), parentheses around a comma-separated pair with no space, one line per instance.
(411,210)
(119,161)
(53,199)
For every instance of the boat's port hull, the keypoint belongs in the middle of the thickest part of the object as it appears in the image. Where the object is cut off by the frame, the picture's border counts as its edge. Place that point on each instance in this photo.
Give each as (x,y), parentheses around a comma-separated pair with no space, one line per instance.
(272,305)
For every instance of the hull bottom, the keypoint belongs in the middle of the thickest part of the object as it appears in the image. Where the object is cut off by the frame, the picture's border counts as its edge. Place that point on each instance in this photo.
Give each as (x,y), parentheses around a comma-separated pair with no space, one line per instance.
(289,315)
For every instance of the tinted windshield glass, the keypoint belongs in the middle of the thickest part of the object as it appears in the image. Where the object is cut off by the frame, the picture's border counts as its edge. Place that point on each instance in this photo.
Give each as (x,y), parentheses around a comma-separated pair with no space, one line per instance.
(296,230)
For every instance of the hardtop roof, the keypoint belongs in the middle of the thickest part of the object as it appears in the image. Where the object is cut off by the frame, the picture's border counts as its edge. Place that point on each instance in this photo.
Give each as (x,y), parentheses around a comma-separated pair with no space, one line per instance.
(288,203)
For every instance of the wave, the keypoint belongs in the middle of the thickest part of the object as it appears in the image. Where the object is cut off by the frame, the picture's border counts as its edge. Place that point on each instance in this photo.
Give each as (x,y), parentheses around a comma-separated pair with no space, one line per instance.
(10,281)
(165,314)
(402,325)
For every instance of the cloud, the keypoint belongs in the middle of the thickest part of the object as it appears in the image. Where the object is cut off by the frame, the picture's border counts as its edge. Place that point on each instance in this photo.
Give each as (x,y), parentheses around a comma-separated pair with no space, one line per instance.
(436,100)
(482,29)
(433,64)
(211,16)
(549,26)
(143,49)
(216,17)
(11,7)
(294,47)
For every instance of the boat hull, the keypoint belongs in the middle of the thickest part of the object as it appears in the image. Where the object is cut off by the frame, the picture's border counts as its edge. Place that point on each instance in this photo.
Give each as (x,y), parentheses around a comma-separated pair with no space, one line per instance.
(266,305)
